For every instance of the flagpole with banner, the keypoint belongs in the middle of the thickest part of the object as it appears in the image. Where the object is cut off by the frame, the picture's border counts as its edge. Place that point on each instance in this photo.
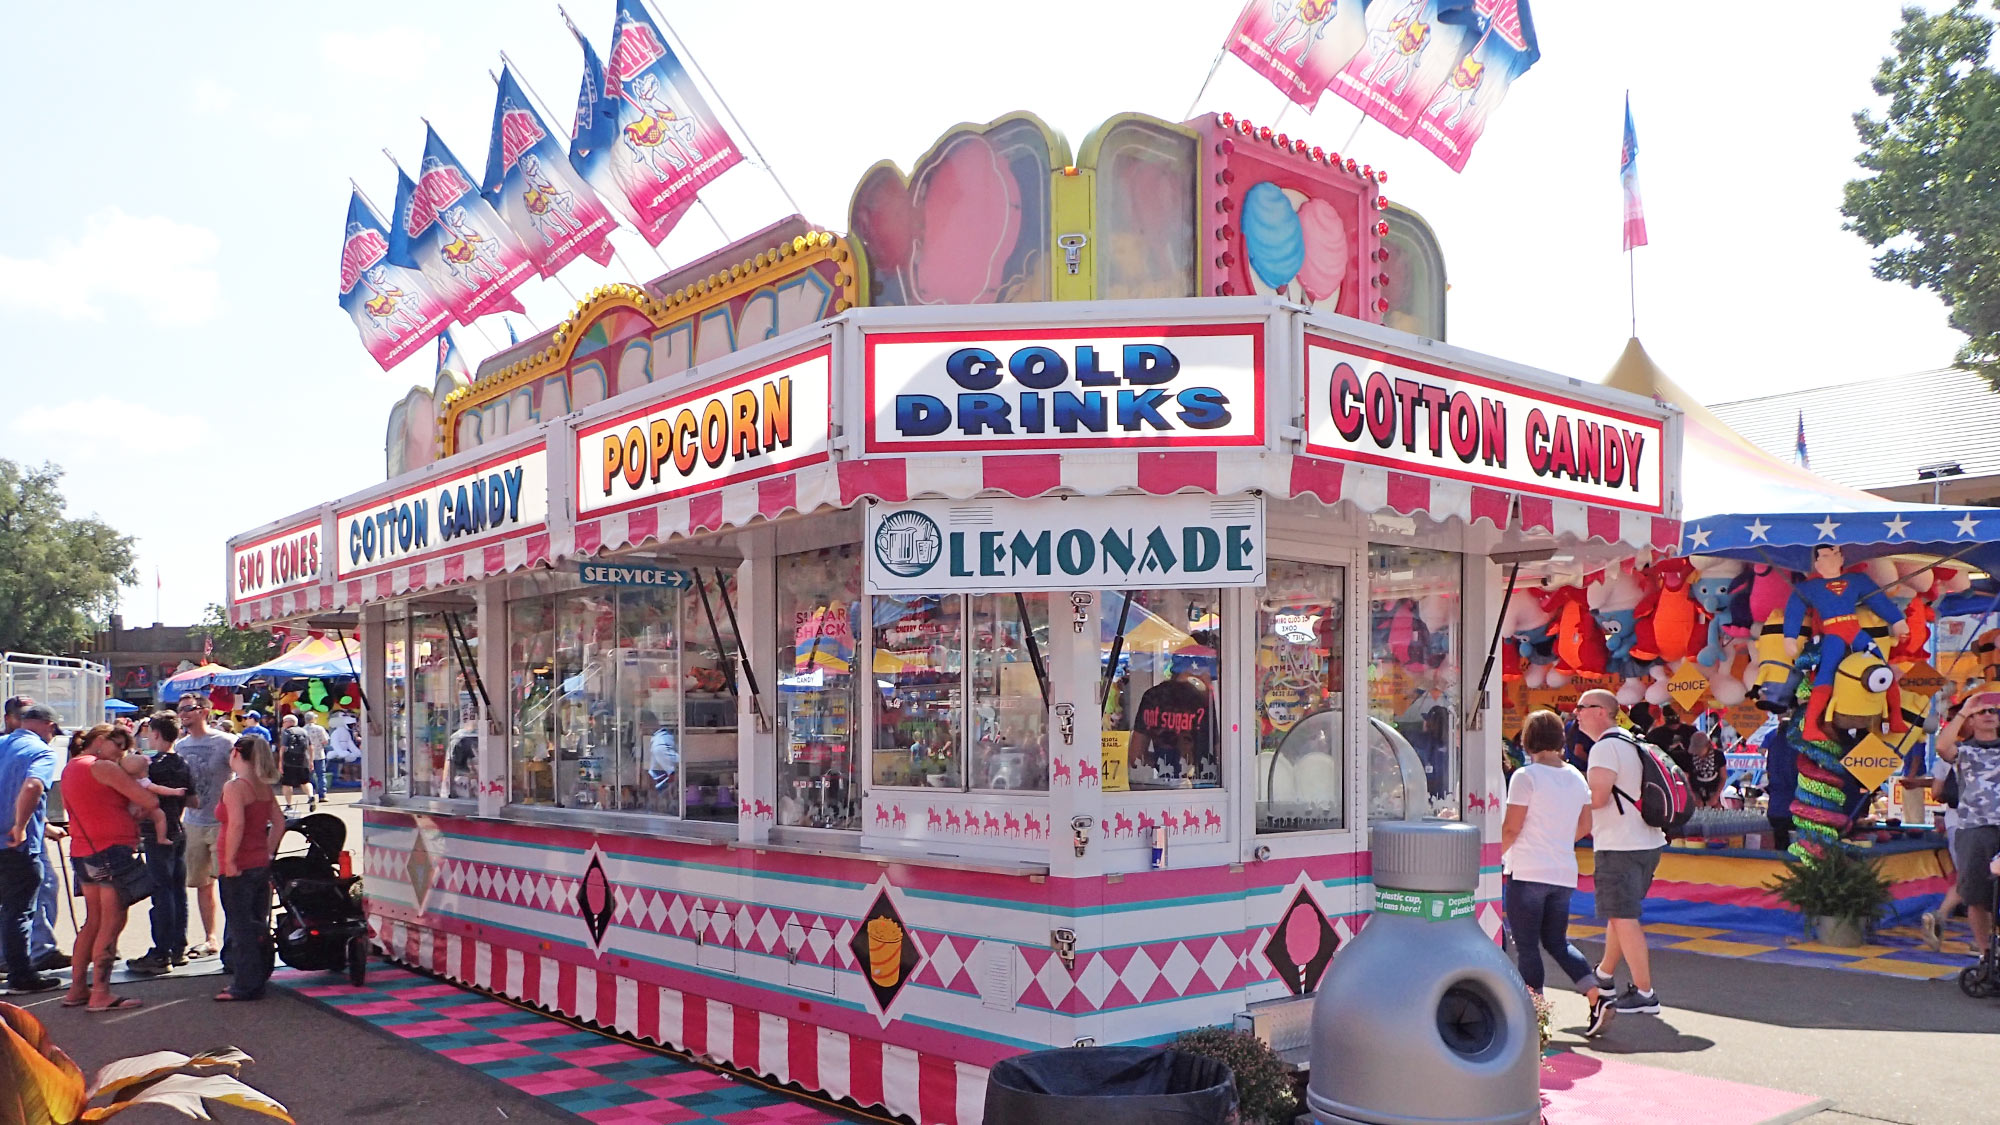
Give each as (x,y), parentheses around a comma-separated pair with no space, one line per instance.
(394,309)
(762,161)
(1635,212)
(529,183)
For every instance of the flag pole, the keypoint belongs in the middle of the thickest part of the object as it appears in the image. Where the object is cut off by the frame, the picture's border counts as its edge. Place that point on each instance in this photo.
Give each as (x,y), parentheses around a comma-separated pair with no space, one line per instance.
(719,100)
(1632,289)
(1206,79)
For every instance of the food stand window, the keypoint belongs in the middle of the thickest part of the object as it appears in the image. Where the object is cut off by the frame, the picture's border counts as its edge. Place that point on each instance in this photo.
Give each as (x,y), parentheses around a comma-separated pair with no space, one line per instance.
(819,595)
(432,734)
(1302,758)
(708,730)
(1161,657)
(595,685)
(1413,606)
(936,711)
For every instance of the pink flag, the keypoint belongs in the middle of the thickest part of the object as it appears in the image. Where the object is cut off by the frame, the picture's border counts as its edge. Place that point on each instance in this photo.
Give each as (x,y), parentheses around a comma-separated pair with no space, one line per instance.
(1628,176)
(1299,45)
(1409,53)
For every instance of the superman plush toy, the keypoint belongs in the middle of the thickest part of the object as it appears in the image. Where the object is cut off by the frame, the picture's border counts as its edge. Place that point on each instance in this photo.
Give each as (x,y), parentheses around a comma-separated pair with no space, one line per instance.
(1834,598)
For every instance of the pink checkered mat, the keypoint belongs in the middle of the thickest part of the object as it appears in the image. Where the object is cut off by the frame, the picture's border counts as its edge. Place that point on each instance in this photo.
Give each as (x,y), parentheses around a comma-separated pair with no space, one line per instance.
(1589,1090)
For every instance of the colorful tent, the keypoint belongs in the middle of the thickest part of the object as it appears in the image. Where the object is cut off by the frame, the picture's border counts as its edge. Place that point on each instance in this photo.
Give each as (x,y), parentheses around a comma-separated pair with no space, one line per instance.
(315,658)
(199,678)
(1738,501)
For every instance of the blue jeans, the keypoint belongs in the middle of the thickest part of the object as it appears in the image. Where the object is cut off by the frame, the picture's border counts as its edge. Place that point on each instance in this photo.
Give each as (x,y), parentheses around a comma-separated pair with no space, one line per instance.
(319,778)
(1538,913)
(42,919)
(20,876)
(168,863)
(246,943)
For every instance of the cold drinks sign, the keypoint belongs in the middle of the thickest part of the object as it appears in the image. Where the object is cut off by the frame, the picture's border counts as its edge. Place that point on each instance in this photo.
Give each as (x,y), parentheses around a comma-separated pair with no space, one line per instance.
(1078,543)
(1365,405)
(1064,388)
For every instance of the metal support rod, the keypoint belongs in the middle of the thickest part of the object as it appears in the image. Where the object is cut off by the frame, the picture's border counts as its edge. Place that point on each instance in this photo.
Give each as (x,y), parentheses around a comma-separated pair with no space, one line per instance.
(742,655)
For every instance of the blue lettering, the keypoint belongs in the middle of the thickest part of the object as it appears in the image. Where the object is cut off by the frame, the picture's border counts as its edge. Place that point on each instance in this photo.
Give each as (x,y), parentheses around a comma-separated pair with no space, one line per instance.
(981,412)
(1032,421)
(514,478)
(958,568)
(1203,408)
(990,554)
(1135,407)
(1074,410)
(921,415)
(1201,549)
(447,525)
(1040,368)
(475,506)
(1088,373)
(1146,364)
(1239,547)
(420,522)
(975,369)
(1075,552)
(1031,554)
(1118,550)
(354,542)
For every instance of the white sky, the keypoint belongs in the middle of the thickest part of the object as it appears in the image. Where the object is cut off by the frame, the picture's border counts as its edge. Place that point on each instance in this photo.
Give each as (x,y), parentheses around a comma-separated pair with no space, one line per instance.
(168,260)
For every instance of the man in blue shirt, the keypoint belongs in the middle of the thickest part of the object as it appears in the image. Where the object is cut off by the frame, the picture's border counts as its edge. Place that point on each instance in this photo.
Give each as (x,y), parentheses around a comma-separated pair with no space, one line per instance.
(27,772)
(254,724)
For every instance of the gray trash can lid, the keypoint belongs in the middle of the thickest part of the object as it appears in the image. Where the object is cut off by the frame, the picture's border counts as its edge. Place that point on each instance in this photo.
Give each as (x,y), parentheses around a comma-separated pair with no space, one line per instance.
(1425,855)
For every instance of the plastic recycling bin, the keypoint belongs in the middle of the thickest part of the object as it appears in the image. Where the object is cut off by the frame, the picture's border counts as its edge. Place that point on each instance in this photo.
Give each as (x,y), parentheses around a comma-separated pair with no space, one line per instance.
(1421,1019)
(1110,1086)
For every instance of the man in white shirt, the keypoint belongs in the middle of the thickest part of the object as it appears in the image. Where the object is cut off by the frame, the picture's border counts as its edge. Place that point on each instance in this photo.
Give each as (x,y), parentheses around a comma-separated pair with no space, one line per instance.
(1627,850)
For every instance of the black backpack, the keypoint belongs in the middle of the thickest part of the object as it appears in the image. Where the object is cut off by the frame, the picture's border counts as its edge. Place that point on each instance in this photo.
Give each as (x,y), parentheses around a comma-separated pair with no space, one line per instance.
(1665,800)
(296,750)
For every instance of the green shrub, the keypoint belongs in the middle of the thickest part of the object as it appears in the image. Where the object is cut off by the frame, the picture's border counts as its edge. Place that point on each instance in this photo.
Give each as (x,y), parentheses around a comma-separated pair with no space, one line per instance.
(1264,1090)
(1842,885)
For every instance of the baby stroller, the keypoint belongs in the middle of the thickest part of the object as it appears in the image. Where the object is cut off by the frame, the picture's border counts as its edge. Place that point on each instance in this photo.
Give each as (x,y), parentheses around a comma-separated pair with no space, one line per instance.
(320,924)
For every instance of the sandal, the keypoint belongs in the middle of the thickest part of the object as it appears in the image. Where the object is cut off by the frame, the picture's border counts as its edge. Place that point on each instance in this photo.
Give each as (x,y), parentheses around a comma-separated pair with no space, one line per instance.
(232,998)
(118,1004)
(75,1001)
(205,949)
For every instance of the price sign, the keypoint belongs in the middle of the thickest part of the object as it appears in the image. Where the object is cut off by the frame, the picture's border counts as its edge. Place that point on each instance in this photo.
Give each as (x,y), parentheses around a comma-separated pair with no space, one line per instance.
(1117,751)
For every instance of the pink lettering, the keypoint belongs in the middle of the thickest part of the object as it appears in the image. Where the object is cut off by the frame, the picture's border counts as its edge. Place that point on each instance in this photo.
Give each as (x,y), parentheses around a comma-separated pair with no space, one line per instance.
(362,250)
(519,132)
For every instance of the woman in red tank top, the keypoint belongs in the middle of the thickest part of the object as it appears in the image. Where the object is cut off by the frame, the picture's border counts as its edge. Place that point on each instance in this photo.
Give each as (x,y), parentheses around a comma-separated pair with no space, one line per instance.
(251,829)
(100,796)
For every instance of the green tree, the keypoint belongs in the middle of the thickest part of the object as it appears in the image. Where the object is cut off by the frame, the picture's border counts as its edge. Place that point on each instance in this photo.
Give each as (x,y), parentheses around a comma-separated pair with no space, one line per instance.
(233,647)
(59,577)
(1933,204)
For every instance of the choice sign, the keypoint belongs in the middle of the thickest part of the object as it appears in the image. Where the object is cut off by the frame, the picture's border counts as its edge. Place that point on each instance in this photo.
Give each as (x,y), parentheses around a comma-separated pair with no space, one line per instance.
(503,496)
(758,423)
(1078,543)
(1085,388)
(1365,405)
(276,563)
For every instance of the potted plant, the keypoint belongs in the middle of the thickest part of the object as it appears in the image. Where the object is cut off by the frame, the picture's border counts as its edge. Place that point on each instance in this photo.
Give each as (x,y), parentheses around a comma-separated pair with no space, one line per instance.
(1266,1088)
(1841,895)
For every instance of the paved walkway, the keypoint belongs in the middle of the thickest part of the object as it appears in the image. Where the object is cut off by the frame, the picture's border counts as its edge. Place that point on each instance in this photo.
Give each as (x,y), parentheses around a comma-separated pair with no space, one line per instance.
(1897,952)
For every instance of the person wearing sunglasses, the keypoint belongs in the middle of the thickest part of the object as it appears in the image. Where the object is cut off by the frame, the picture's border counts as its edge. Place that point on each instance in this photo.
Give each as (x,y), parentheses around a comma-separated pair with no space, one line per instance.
(206,753)
(1971,743)
(1626,851)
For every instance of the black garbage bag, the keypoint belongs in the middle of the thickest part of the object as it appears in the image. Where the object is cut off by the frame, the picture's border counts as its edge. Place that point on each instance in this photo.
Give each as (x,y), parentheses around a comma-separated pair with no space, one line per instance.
(1110,1086)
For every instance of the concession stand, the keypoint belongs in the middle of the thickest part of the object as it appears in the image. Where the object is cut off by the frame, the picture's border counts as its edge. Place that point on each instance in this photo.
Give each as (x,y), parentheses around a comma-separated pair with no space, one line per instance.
(859,658)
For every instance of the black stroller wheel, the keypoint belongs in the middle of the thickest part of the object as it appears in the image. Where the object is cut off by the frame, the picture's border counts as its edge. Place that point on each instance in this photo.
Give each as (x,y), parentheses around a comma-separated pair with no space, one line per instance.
(357,961)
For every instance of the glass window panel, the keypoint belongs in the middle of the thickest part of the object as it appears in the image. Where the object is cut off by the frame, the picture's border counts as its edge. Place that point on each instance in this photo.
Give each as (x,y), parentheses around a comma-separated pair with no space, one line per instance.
(586,624)
(919,690)
(433,703)
(818,602)
(708,734)
(396,689)
(1008,735)
(1162,650)
(1302,760)
(1414,654)
(532,698)
(643,770)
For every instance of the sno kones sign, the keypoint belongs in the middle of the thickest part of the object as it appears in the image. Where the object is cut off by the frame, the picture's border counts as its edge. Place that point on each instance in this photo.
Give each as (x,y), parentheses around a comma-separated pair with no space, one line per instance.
(1366,405)
(1073,543)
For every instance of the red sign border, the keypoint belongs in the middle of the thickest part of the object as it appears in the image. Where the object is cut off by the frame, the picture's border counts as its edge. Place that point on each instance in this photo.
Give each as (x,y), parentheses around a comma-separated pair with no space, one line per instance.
(340,514)
(236,552)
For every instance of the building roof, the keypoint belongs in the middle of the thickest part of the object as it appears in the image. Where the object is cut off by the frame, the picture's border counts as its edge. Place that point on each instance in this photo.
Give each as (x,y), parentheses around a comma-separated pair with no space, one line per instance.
(1875,434)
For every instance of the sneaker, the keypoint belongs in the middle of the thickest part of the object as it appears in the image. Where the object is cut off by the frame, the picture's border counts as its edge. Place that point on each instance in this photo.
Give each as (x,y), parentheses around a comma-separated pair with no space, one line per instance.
(1635,1002)
(1933,929)
(35,984)
(1608,985)
(1601,1011)
(51,961)
(177,958)
(151,965)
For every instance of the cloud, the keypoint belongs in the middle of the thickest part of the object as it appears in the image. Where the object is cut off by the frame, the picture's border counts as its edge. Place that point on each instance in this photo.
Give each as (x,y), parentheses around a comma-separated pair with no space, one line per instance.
(60,424)
(211,96)
(164,267)
(383,53)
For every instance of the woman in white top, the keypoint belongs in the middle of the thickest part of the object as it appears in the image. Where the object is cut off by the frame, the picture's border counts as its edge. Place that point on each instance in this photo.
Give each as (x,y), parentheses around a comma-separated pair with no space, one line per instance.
(1548,811)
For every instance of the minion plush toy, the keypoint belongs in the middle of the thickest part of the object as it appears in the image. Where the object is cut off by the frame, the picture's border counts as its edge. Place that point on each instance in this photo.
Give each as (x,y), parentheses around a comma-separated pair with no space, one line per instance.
(1834,599)
(1865,695)
(1777,679)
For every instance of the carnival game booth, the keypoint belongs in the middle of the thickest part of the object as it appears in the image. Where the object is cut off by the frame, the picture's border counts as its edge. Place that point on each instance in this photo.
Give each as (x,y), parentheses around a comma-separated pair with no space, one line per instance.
(929,682)
(1713,638)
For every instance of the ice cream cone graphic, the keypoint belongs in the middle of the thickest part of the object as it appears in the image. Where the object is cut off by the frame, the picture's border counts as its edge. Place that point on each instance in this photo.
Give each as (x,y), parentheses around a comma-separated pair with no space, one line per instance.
(885,951)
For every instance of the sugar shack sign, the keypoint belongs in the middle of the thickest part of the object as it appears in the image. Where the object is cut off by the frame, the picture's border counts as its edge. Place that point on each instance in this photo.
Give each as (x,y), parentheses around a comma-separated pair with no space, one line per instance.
(1066,388)
(751,425)
(1083,542)
(1365,405)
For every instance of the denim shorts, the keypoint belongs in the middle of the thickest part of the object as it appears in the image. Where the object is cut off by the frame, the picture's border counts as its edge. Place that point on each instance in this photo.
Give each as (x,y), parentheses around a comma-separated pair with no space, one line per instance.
(1623,878)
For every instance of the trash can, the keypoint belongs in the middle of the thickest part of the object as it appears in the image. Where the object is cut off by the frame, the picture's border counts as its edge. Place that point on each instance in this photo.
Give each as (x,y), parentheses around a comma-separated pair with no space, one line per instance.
(1110,1086)
(1421,1018)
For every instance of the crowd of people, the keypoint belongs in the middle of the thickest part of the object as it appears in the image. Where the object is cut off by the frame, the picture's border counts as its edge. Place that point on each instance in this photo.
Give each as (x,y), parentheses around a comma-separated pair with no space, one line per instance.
(157,806)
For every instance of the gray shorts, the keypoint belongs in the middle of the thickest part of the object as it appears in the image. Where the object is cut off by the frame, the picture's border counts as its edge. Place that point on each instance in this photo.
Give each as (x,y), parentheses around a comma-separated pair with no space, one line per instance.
(1974,850)
(1623,878)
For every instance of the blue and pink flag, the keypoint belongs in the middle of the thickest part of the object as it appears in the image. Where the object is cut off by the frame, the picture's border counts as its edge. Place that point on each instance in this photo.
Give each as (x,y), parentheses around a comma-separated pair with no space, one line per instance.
(392,307)
(1410,50)
(1628,177)
(538,195)
(1501,47)
(448,232)
(1299,45)
(644,137)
